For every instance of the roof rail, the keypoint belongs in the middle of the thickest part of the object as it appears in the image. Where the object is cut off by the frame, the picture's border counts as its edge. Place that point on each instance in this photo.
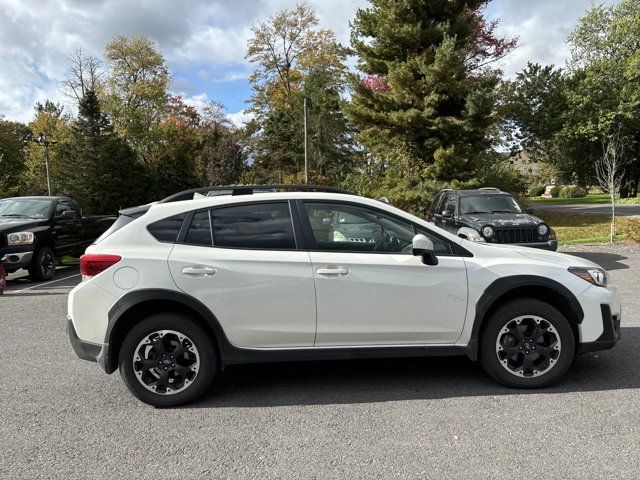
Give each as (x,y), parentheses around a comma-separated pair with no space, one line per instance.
(250,190)
(490,188)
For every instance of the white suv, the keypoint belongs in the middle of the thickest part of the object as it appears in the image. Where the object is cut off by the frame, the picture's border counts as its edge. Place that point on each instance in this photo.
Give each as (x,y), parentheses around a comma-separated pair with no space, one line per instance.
(176,291)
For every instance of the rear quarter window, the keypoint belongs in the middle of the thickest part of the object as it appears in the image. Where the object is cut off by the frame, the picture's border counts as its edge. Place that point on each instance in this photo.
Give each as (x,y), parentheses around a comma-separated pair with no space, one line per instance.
(167,229)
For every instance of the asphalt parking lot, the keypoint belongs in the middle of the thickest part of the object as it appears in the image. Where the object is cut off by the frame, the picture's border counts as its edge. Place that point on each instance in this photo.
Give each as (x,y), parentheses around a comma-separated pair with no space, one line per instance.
(61,417)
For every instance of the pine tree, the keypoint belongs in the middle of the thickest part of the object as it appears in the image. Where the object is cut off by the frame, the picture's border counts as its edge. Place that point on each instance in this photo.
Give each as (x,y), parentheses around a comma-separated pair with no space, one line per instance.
(424,101)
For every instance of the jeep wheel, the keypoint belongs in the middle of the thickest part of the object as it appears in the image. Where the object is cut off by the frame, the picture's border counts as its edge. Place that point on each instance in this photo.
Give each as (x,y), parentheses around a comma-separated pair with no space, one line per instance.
(527,343)
(43,265)
(168,360)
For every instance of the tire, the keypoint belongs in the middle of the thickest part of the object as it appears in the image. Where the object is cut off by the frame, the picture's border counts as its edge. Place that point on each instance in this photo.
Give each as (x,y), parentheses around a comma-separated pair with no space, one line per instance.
(518,356)
(43,265)
(185,380)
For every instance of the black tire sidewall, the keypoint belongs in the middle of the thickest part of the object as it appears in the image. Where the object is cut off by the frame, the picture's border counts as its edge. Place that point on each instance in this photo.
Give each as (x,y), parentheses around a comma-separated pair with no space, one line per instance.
(490,361)
(35,270)
(180,323)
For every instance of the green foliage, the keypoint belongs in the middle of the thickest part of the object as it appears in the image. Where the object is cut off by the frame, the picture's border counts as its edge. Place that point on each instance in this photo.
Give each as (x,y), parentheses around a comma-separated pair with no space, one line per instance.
(13,138)
(421,102)
(554,191)
(536,190)
(572,191)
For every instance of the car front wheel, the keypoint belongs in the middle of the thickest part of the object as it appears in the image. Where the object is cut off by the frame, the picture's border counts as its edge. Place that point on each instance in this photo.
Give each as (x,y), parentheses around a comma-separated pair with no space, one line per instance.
(527,343)
(168,360)
(43,264)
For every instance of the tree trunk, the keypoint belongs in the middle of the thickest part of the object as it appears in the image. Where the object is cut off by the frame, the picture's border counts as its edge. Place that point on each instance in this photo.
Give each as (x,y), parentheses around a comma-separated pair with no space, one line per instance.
(612,233)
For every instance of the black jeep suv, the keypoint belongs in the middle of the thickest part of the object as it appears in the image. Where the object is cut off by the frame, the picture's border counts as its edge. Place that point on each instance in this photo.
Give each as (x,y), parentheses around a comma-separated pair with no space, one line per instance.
(490,215)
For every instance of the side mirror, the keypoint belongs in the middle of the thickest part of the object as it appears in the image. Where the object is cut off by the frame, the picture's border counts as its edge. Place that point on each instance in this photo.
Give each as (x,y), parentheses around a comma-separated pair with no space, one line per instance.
(447,214)
(67,215)
(423,247)
(529,211)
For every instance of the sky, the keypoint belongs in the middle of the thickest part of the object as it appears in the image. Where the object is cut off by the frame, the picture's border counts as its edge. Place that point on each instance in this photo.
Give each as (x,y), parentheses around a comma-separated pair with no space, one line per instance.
(204,41)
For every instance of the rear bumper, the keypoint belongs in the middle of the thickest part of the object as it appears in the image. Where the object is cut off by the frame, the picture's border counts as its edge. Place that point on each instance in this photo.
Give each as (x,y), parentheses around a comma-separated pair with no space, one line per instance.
(610,332)
(86,350)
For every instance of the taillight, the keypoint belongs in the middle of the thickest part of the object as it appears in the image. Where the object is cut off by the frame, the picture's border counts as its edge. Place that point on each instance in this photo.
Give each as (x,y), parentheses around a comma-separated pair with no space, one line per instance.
(93,263)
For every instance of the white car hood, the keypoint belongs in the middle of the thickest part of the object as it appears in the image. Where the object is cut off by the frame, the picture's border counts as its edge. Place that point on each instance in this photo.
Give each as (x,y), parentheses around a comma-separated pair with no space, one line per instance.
(557,258)
(547,256)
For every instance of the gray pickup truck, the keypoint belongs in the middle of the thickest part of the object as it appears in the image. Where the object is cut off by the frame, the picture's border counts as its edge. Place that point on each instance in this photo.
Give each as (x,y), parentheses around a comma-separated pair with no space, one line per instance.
(35,232)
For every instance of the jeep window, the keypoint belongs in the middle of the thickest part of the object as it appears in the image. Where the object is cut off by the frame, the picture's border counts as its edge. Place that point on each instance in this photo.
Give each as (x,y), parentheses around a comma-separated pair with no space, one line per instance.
(24,207)
(165,230)
(63,206)
(256,225)
(199,232)
(441,246)
(489,204)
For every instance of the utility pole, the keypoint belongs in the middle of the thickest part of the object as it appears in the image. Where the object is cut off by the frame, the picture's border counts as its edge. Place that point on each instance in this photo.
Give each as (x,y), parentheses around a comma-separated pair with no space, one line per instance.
(42,140)
(306,162)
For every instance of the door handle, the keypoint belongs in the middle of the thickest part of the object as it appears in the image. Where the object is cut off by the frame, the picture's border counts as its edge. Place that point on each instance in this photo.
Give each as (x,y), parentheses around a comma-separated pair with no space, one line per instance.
(199,271)
(333,271)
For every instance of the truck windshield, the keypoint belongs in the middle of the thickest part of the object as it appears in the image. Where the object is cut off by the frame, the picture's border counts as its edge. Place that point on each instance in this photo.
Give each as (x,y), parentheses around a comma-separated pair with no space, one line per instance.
(489,204)
(24,207)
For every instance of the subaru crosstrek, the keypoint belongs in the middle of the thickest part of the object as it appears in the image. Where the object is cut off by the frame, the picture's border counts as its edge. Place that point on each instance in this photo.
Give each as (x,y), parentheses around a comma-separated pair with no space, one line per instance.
(178,290)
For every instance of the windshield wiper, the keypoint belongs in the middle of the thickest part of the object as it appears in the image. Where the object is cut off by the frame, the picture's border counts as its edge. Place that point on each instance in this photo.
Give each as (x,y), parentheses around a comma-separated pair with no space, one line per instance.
(503,211)
(15,215)
(474,212)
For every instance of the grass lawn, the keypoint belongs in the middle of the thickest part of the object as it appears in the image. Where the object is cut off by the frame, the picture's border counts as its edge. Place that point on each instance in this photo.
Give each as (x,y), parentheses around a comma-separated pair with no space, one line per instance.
(588,228)
(591,198)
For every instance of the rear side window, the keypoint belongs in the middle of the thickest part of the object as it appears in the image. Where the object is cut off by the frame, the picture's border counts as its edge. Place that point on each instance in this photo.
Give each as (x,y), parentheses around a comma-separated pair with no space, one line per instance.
(167,229)
(199,232)
(257,225)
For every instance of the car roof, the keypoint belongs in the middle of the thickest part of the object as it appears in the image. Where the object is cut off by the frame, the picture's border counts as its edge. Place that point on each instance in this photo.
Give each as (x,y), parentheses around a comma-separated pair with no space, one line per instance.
(479,191)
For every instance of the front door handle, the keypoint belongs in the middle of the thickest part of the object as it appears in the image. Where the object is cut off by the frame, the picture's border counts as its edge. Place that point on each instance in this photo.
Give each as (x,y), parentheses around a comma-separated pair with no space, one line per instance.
(199,271)
(333,271)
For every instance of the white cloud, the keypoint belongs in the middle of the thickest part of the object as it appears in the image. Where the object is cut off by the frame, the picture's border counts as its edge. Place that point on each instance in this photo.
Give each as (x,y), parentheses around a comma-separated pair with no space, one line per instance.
(204,40)
(240,118)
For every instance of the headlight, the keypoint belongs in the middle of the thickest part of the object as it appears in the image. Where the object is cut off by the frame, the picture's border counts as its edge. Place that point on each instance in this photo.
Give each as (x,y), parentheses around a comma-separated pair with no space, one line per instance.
(543,229)
(20,238)
(595,276)
(487,231)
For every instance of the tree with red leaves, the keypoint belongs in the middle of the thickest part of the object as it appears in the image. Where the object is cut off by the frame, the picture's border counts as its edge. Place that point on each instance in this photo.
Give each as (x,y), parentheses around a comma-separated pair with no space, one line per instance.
(424,102)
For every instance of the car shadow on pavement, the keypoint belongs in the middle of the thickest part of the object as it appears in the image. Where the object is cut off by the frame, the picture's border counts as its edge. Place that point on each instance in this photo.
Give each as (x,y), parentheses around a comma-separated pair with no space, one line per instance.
(609,261)
(373,381)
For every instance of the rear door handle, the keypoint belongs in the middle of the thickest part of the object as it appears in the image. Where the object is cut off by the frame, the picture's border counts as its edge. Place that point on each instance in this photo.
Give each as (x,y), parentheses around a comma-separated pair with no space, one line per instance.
(199,271)
(333,271)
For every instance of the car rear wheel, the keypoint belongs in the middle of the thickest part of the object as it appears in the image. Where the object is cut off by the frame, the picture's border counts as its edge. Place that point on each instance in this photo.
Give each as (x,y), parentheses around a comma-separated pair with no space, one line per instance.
(43,264)
(168,360)
(527,343)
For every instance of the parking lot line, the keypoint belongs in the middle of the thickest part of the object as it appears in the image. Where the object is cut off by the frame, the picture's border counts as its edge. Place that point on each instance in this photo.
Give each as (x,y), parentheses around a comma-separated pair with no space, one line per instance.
(44,284)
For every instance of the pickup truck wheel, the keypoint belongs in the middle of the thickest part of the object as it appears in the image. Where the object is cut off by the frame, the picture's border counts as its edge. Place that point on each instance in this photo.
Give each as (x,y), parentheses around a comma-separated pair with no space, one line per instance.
(168,360)
(43,264)
(527,343)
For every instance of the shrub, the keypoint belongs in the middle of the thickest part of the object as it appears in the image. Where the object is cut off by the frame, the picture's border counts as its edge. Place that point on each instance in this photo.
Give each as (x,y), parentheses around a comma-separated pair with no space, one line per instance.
(572,191)
(536,190)
(554,191)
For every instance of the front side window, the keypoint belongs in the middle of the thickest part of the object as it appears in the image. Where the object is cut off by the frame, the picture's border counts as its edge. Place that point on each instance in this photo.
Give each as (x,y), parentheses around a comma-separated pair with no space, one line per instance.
(340,227)
(62,207)
(256,225)
(350,228)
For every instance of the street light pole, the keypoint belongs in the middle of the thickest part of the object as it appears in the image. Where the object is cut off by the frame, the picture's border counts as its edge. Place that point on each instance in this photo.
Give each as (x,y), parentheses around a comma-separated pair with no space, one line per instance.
(306,163)
(42,140)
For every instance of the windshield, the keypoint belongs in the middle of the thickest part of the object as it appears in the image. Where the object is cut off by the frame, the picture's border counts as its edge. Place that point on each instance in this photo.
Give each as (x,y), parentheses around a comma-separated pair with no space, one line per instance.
(489,204)
(24,207)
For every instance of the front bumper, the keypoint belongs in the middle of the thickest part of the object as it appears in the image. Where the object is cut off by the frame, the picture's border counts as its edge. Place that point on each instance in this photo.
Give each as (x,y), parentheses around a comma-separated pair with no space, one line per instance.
(610,332)
(86,350)
(16,257)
